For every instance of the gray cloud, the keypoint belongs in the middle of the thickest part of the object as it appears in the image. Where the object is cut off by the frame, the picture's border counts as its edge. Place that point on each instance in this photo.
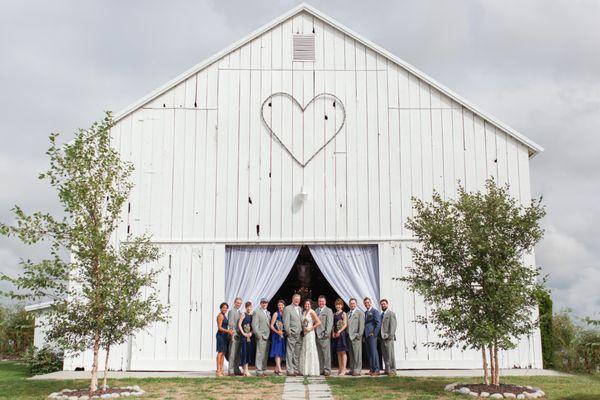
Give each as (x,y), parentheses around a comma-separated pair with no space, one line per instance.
(534,64)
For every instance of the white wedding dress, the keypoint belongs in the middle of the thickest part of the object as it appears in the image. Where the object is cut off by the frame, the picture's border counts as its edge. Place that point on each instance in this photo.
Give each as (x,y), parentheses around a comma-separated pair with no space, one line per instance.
(309,358)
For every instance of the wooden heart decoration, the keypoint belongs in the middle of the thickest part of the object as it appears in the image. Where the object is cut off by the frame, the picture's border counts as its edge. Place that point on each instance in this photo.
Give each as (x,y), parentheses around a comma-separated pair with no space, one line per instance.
(333,117)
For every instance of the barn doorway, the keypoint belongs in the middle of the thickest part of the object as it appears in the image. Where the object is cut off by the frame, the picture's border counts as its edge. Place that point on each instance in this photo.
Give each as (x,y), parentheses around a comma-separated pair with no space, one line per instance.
(305,278)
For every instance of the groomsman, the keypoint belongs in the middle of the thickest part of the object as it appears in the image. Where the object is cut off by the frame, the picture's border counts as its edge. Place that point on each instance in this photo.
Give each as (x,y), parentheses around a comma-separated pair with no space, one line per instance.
(261,326)
(356,327)
(372,327)
(292,323)
(323,332)
(388,336)
(233,316)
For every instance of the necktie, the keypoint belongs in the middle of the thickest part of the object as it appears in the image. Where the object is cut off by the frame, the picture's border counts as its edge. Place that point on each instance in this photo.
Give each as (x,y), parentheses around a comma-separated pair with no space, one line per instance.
(350,316)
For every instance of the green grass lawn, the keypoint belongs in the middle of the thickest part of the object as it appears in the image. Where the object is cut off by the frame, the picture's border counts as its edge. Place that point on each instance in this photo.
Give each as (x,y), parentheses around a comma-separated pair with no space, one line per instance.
(13,385)
(580,387)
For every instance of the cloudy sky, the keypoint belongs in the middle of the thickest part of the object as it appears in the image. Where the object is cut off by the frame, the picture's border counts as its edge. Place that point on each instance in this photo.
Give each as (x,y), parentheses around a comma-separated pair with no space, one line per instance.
(533,64)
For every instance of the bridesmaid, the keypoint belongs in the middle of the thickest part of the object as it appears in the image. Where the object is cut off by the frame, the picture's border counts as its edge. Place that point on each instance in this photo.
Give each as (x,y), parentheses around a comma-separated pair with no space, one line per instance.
(277,337)
(246,344)
(340,336)
(222,337)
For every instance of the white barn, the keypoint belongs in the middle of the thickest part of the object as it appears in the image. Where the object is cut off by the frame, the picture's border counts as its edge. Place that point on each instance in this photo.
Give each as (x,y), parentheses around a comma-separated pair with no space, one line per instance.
(301,134)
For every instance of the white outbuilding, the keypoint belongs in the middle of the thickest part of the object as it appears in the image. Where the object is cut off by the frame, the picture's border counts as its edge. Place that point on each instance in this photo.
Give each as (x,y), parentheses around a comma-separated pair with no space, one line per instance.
(286,163)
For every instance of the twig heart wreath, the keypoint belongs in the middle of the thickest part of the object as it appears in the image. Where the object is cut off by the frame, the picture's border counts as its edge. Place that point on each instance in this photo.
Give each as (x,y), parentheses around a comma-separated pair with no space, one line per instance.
(336,102)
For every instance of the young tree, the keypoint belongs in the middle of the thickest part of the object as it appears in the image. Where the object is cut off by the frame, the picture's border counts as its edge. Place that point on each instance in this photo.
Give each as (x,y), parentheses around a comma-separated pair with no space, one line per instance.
(92,186)
(468,264)
(131,310)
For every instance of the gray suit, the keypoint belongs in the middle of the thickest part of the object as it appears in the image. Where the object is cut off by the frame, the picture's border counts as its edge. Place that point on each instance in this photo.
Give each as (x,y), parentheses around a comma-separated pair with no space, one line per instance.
(292,323)
(356,329)
(233,316)
(323,332)
(261,327)
(388,336)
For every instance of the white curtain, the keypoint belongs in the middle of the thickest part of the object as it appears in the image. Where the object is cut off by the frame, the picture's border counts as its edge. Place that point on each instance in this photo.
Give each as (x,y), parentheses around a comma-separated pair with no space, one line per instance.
(253,272)
(353,271)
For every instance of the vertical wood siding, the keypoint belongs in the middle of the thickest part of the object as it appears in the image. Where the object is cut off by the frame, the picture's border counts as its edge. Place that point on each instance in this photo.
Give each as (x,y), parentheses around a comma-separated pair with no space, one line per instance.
(208,170)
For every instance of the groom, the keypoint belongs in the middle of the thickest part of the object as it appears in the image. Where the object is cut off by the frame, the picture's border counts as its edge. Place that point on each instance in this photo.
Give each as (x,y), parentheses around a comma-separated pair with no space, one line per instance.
(292,323)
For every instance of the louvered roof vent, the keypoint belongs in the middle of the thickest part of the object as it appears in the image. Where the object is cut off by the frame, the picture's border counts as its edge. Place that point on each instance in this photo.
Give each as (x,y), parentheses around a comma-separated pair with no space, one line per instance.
(304,48)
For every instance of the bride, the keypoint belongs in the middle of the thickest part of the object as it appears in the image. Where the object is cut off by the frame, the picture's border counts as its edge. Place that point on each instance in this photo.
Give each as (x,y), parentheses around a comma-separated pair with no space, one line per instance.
(309,358)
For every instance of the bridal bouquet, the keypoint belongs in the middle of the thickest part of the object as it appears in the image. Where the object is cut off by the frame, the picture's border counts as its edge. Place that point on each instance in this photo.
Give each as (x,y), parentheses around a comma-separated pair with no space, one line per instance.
(305,326)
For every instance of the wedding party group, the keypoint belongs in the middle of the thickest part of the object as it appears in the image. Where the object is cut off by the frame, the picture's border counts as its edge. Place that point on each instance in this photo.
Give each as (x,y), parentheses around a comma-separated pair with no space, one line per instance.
(304,338)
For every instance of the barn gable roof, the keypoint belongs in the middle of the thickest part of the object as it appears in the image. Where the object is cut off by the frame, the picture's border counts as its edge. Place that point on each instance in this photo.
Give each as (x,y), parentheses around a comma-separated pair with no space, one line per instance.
(534,148)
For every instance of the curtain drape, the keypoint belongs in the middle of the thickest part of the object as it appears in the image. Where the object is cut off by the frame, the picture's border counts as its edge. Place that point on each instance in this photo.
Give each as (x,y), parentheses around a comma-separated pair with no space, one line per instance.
(253,272)
(352,270)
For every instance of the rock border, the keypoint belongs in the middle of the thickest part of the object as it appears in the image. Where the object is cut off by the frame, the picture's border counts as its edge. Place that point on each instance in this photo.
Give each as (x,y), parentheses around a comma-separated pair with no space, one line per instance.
(525,395)
(131,391)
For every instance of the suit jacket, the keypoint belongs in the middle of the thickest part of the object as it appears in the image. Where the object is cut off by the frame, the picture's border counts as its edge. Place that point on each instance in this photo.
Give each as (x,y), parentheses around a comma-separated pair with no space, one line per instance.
(261,324)
(323,331)
(372,322)
(292,321)
(356,324)
(388,325)
(233,316)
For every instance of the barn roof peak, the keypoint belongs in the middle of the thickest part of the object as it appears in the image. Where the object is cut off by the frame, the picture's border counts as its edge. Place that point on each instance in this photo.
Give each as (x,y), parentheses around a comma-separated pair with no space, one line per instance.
(534,148)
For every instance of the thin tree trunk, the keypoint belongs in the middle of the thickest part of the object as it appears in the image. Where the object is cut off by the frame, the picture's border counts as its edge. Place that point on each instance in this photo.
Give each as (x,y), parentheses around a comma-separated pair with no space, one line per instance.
(497,366)
(492,364)
(104,381)
(94,381)
(486,376)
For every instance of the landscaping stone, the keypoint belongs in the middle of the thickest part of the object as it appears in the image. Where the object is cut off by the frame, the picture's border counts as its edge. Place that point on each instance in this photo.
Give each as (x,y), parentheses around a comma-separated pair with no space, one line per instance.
(509,392)
(450,387)
(74,394)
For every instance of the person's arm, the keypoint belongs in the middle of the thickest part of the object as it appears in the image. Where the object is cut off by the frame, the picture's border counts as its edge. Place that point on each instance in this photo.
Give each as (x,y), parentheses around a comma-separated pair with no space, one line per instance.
(377,323)
(232,321)
(286,320)
(361,324)
(273,319)
(329,324)
(344,323)
(255,323)
(393,323)
(240,327)
(220,318)
(316,320)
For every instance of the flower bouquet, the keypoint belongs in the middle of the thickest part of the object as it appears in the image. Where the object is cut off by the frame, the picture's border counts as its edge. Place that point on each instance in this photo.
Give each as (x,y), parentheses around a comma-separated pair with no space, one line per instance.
(247,329)
(305,326)
(279,327)
(339,325)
